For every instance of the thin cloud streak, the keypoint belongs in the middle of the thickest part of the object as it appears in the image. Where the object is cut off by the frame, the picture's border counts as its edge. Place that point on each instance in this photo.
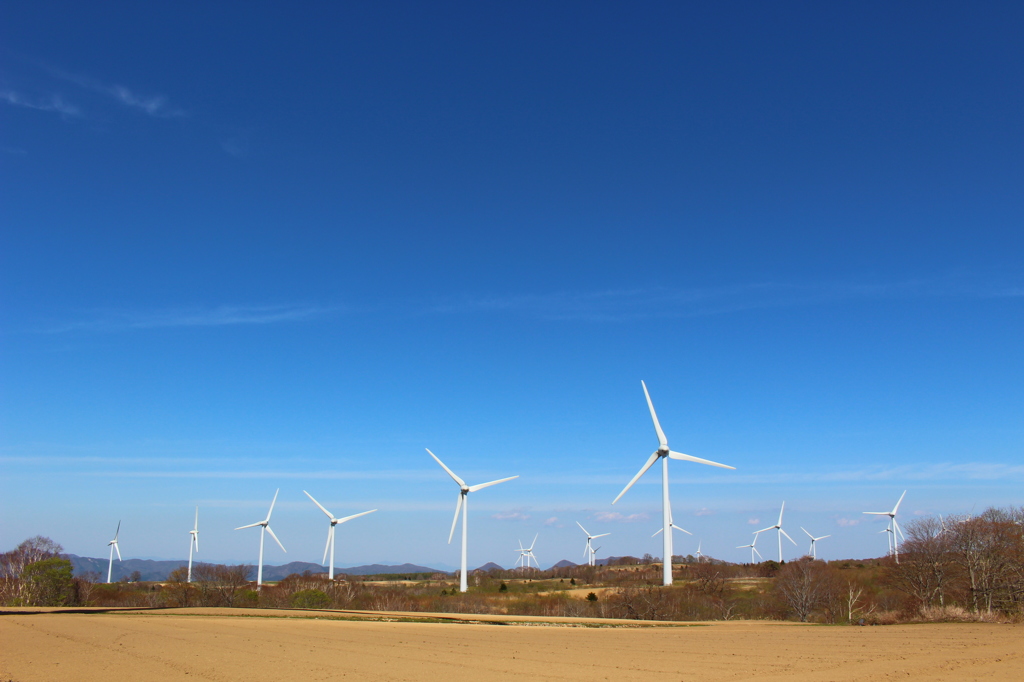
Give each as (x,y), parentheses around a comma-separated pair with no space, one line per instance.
(53,103)
(153,105)
(195,317)
(660,302)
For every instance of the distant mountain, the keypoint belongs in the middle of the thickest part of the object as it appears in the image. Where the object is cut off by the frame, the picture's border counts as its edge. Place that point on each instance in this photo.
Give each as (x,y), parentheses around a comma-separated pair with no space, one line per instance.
(159,570)
(489,566)
(564,563)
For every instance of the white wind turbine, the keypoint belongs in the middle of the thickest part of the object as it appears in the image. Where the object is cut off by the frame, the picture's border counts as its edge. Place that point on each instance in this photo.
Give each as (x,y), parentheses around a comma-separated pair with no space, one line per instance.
(330,532)
(265,526)
(462,505)
(893,527)
(526,553)
(699,555)
(588,551)
(664,454)
(113,548)
(753,549)
(778,527)
(813,551)
(193,543)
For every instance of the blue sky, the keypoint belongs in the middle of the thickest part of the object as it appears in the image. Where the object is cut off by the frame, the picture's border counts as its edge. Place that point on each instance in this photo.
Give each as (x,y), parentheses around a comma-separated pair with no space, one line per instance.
(252,246)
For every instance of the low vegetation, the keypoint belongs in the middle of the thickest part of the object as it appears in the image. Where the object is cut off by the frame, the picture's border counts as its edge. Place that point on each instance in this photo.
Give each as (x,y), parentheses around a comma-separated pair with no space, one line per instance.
(958,569)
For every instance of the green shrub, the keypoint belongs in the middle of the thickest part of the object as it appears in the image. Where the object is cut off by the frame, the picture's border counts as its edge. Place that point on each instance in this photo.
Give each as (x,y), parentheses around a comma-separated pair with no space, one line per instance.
(310,599)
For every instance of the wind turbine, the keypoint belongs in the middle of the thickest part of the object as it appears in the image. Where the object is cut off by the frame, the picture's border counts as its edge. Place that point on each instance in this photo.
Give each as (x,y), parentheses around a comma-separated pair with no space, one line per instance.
(753,549)
(526,553)
(193,543)
(113,547)
(265,526)
(778,526)
(330,532)
(463,505)
(672,524)
(893,527)
(699,555)
(588,550)
(814,541)
(664,454)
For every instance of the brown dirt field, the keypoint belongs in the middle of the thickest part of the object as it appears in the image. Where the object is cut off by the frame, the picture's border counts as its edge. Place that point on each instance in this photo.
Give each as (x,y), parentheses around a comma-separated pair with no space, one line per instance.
(224,645)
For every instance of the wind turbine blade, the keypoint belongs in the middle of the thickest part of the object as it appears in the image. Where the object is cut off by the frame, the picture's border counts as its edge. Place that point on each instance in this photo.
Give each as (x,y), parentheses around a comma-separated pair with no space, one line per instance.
(329,514)
(450,472)
(656,532)
(822,537)
(593,537)
(534,541)
(743,546)
(682,529)
(270,530)
(898,503)
(196,527)
(808,534)
(643,470)
(754,550)
(118,531)
(782,509)
(876,513)
(117,549)
(356,516)
(764,530)
(458,508)
(251,525)
(327,547)
(787,536)
(272,503)
(583,529)
(481,486)
(196,538)
(654,416)
(586,549)
(698,460)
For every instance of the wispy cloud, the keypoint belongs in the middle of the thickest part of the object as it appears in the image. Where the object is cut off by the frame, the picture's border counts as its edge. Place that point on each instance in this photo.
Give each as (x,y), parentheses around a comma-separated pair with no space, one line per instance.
(153,105)
(54,103)
(615,305)
(114,321)
(703,511)
(621,518)
(551,521)
(753,522)
(847,522)
(510,516)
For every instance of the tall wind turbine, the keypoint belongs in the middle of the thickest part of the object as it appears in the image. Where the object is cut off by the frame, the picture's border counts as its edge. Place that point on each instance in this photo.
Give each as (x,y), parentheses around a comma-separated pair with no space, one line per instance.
(526,553)
(265,527)
(664,454)
(193,543)
(753,549)
(893,527)
(463,505)
(588,551)
(814,542)
(778,527)
(113,547)
(699,555)
(330,531)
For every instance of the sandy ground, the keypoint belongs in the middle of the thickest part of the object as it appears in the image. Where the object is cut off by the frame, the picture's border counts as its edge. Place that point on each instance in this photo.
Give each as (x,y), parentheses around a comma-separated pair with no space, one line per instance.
(248,645)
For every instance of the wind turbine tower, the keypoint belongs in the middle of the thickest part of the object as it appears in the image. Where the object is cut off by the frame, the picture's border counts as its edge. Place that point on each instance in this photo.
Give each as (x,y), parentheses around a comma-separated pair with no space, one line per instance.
(753,549)
(113,548)
(462,505)
(664,454)
(265,528)
(330,532)
(193,543)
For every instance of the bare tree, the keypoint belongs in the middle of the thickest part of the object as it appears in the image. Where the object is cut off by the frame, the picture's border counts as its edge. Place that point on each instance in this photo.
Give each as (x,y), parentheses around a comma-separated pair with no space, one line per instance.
(802,585)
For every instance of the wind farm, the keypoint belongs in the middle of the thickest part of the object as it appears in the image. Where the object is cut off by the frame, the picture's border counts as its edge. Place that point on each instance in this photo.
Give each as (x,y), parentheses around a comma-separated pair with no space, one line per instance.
(295,247)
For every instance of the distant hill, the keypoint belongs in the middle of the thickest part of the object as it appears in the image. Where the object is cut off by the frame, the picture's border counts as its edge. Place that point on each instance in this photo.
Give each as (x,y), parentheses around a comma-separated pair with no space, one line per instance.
(564,563)
(489,566)
(159,570)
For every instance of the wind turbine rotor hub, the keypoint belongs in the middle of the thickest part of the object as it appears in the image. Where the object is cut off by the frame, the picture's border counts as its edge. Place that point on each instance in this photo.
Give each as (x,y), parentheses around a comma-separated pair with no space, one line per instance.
(465,489)
(663,451)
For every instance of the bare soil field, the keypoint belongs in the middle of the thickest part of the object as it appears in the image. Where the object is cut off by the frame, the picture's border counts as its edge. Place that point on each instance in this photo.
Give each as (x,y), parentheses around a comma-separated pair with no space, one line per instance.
(255,645)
